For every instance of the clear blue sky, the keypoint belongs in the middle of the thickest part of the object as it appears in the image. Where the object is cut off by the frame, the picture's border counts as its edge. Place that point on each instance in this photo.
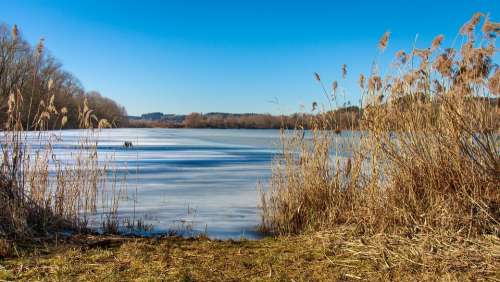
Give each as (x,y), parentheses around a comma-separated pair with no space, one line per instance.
(231,56)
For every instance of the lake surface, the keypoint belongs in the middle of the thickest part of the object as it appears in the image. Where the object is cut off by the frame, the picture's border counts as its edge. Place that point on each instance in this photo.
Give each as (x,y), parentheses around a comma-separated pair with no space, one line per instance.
(189,180)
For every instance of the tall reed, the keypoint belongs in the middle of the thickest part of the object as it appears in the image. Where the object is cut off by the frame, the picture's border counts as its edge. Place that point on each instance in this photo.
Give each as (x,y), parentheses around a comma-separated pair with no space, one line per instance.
(40,191)
(426,156)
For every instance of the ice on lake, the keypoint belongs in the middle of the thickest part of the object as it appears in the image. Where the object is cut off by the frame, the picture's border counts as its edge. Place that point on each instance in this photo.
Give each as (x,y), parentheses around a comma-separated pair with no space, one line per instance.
(186,180)
(189,180)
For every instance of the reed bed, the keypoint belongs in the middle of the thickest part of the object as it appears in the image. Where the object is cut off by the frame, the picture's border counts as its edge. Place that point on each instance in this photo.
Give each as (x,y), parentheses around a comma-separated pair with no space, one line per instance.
(40,191)
(426,158)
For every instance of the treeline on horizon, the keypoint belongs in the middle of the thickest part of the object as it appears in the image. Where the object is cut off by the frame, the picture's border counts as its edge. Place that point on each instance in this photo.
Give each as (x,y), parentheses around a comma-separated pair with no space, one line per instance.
(343,118)
(32,72)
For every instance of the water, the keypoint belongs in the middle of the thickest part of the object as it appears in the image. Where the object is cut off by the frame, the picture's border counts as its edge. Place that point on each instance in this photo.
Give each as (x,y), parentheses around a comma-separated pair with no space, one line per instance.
(189,180)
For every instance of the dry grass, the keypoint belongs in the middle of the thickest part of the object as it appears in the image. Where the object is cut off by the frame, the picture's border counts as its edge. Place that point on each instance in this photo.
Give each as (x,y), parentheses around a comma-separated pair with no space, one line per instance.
(39,192)
(342,255)
(426,159)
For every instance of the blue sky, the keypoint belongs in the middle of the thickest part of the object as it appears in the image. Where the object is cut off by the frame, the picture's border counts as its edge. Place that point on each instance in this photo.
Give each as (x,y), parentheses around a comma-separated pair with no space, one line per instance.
(230,56)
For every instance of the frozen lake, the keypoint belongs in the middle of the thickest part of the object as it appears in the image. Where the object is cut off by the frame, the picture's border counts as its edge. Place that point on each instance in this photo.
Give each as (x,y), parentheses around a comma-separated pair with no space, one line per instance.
(191,180)
(186,180)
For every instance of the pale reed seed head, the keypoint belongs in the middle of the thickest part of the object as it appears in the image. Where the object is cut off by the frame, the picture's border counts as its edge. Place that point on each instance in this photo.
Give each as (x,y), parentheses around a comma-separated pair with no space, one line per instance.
(361,81)
(467,50)
(52,108)
(40,46)
(424,54)
(382,44)
(104,123)
(476,63)
(85,105)
(64,120)
(50,84)
(397,87)
(11,103)
(443,64)
(468,28)
(334,86)
(490,50)
(15,32)
(378,82)
(344,71)
(374,83)
(490,29)
(402,57)
(436,43)
(44,116)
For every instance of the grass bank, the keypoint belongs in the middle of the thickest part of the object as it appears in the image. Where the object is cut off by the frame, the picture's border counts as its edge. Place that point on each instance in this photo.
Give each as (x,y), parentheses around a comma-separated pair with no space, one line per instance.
(343,254)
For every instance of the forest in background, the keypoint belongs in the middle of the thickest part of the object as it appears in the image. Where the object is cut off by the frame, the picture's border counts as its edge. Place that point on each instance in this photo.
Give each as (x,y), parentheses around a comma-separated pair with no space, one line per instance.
(342,118)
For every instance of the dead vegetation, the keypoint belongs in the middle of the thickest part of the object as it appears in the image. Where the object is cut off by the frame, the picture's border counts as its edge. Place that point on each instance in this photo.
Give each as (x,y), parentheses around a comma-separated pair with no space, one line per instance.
(426,159)
(338,255)
(40,191)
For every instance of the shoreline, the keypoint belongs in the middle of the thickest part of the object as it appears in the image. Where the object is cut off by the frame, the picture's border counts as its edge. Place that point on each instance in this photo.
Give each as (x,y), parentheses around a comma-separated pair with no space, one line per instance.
(340,254)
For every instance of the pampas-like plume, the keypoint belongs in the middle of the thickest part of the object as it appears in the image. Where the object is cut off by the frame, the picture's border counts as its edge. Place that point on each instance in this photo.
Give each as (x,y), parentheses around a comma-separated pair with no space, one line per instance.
(374,83)
(384,40)
(490,29)
(402,56)
(15,32)
(50,84)
(40,46)
(361,81)
(437,42)
(104,123)
(469,27)
(443,65)
(11,103)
